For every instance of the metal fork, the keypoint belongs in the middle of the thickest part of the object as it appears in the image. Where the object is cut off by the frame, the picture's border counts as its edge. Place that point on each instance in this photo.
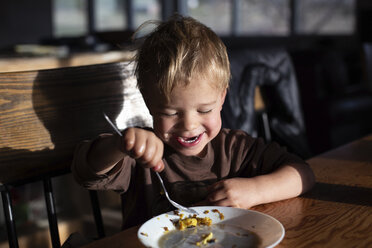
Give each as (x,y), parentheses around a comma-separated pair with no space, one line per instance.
(175,204)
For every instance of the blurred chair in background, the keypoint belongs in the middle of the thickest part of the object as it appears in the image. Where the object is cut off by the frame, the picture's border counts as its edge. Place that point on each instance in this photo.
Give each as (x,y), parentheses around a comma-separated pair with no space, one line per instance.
(280,118)
(367,56)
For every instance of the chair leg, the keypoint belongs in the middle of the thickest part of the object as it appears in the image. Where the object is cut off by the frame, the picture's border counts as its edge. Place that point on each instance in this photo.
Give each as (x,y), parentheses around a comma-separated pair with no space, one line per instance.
(97,213)
(264,126)
(52,215)
(8,213)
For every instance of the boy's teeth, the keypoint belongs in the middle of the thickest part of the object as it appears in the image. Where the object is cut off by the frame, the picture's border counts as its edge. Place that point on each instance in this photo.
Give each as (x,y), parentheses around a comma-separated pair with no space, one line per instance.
(189,140)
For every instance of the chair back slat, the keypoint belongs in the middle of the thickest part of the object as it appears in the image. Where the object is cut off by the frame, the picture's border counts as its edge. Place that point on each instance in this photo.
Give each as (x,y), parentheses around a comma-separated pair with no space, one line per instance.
(45,113)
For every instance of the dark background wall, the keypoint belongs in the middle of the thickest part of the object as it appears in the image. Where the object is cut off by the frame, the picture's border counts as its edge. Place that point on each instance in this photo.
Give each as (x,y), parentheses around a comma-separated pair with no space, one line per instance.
(24,21)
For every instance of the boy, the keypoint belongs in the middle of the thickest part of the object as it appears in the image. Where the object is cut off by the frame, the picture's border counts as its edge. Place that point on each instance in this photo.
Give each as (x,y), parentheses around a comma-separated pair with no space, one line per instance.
(183,74)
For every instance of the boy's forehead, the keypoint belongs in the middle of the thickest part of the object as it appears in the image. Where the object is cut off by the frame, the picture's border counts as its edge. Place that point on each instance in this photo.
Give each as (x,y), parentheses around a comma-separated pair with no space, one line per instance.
(154,94)
(192,91)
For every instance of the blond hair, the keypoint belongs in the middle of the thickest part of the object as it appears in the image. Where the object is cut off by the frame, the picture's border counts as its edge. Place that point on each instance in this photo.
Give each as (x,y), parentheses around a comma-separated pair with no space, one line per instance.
(179,50)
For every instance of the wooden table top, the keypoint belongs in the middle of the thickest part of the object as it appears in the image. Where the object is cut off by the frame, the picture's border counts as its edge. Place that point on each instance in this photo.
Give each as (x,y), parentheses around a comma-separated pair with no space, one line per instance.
(337,212)
(50,62)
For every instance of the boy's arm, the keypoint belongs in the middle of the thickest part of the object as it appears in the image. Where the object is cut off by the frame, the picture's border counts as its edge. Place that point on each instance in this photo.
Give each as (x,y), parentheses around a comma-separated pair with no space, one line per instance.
(104,153)
(143,145)
(286,182)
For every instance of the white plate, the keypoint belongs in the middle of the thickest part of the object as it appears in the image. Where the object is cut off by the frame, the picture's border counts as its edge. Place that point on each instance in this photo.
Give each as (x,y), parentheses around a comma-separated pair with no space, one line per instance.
(269,230)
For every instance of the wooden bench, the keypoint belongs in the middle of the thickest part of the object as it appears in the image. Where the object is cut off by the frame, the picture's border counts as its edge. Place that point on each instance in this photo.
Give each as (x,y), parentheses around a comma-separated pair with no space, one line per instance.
(44,114)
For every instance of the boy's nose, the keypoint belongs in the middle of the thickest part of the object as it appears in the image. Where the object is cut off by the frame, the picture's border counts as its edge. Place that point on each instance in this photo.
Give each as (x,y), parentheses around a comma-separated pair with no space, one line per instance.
(189,122)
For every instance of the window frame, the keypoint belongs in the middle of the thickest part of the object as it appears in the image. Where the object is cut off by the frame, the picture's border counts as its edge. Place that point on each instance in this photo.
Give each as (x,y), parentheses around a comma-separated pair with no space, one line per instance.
(292,39)
(168,7)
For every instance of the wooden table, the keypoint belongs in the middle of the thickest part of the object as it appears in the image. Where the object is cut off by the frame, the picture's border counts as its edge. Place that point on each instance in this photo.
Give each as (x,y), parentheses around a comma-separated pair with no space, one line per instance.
(337,212)
(50,62)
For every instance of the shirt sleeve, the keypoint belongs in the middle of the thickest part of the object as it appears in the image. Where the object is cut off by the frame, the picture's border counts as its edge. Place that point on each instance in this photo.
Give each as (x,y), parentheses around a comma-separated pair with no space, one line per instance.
(253,157)
(272,156)
(118,178)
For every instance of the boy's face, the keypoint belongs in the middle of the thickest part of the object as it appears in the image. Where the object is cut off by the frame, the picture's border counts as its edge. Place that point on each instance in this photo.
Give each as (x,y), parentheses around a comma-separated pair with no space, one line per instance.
(191,119)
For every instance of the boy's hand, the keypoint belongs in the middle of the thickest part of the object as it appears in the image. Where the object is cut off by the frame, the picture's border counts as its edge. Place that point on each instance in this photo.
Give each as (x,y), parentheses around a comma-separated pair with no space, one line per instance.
(144,146)
(234,192)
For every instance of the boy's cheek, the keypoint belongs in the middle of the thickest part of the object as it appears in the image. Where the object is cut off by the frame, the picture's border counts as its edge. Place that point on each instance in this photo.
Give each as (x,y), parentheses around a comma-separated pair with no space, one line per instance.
(214,123)
(162,126)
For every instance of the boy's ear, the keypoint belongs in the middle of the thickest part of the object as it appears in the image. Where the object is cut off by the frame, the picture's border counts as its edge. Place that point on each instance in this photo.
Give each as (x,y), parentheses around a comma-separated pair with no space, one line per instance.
(224,94)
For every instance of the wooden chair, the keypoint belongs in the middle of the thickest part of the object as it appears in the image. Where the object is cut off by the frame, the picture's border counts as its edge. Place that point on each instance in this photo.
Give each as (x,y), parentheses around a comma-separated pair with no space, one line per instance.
(43,115)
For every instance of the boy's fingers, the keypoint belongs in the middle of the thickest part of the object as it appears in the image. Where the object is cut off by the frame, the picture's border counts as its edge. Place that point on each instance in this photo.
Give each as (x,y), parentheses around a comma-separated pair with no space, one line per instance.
(219,197)
(140,147)
(216,196)
(158,157)
(216,186)
(147,149)
(152,157)
(156,160)
(224,202)
(155,163)
(159,166)
(129,139)
(149,154)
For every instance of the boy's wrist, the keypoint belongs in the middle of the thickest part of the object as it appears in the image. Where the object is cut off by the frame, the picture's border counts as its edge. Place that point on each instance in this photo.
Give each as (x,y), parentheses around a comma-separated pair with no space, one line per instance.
(103,153)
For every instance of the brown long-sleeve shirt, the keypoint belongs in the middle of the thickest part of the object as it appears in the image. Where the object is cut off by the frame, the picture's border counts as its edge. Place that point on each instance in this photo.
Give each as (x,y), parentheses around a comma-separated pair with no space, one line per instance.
(233,153)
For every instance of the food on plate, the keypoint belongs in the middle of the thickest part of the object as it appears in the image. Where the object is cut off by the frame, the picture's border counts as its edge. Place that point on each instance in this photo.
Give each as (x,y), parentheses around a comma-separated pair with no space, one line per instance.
(182,224)
(226,227)
(191,221)
(216,235)
(219,213)
(206,238)
(194,231)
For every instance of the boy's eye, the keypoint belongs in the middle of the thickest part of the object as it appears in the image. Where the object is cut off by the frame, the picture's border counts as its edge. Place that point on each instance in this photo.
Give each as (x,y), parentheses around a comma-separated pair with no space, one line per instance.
(168,114)
(205,111)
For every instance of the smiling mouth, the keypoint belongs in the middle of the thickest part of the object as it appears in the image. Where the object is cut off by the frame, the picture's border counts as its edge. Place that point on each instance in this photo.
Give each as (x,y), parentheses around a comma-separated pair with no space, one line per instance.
(191,141)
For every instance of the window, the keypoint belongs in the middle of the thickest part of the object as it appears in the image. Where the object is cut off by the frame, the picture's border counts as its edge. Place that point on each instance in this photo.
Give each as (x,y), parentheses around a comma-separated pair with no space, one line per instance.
(225,17)
(325,17)
(264,17)
(145,10)
(110,15)
(273,17)
(214,13)
(69,18)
